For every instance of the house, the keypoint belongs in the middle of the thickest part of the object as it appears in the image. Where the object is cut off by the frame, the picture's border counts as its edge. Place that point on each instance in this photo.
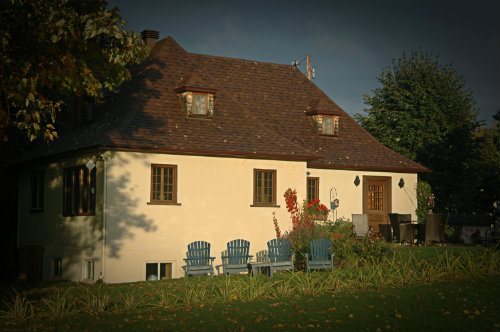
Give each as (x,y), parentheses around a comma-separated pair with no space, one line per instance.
(472,228)
(196,147)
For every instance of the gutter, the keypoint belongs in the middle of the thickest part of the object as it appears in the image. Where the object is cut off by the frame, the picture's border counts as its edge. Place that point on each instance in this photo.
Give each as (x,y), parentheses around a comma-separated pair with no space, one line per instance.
(402,169)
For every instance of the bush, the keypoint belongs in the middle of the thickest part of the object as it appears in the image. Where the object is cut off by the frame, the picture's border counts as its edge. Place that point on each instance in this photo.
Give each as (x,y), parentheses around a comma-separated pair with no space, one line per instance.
(425,200)
(350,251)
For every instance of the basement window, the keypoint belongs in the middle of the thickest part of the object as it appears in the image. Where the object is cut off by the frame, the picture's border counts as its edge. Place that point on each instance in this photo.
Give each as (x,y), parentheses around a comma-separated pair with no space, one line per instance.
(158,271)
(88,269)
(57,267)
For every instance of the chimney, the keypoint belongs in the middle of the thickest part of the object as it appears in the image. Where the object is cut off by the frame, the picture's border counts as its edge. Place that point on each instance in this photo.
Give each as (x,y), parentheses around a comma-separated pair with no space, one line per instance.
(150,36)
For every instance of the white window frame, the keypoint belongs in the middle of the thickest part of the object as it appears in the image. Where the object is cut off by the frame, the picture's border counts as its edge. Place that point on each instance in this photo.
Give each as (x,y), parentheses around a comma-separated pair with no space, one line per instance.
(158,264)
(86,274)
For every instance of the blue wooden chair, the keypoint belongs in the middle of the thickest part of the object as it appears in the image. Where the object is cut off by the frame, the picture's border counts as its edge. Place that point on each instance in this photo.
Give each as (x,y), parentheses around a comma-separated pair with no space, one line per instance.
(321,257)
(279,255)
(198,260)
(237,257)
(262,256)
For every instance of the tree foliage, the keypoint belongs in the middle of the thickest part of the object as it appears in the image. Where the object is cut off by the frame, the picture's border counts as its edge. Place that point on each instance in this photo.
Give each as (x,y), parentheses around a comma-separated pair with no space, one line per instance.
(424,111)
(419,103)
(54,50)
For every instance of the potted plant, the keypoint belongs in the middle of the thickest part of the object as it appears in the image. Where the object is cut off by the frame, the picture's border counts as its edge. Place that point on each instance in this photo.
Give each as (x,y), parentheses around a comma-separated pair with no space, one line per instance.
(315,210)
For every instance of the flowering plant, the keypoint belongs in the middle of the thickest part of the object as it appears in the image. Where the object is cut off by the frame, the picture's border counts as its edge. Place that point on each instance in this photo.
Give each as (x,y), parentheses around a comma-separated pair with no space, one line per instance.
(425,200)
(315,207)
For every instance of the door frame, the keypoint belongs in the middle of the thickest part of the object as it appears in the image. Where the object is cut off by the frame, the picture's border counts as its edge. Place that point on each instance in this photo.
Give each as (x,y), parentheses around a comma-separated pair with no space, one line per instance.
(387,197)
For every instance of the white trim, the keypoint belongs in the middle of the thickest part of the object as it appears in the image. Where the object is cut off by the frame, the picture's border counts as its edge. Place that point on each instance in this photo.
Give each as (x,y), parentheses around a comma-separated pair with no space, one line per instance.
(85,272)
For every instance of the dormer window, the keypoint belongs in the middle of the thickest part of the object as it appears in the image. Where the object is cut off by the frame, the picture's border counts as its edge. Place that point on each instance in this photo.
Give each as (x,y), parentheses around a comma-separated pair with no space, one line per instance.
(324,116)
(330,124)
(325,123)
(200,104)
(197,102)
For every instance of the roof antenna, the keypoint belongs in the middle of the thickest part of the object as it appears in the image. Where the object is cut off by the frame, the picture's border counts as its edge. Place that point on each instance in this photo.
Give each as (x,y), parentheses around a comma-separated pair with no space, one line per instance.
(309,68)
(297,63)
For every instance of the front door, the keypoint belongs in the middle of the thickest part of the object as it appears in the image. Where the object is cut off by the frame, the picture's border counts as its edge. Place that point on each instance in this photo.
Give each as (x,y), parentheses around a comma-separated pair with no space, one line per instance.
(377,200)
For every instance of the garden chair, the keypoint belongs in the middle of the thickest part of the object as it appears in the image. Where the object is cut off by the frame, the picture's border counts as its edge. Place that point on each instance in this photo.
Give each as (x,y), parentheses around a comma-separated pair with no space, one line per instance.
(279,255)
(198,260)
(237,258)
(360,225)
(223,256)
(321,257)
(402,229)
(434,227)
(262,256)
(261,264)
(393,217)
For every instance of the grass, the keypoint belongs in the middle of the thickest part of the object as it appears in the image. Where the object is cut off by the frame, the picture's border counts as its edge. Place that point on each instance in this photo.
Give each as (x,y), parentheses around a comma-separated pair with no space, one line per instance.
(462,293)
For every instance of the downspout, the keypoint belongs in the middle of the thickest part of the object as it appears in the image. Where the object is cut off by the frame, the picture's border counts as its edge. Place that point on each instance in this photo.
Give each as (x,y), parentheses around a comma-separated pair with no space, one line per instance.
(104,206)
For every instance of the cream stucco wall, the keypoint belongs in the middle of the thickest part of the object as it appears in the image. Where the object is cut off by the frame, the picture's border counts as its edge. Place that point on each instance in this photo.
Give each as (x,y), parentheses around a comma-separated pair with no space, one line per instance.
(74,239)
(214,195)
(350,195)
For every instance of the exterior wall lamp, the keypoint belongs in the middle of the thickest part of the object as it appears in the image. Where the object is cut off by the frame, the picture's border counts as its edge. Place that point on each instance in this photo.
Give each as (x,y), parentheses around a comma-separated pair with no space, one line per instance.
(92,162)
(401,183)
(357,181)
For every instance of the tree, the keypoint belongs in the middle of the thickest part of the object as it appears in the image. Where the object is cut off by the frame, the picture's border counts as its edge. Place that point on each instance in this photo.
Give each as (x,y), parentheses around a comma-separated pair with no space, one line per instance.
(54,51)
(424,111)
(487,167)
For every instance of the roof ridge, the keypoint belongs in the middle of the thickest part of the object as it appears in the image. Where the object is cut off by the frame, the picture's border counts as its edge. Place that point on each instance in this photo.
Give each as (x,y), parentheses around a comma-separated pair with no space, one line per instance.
(242,60)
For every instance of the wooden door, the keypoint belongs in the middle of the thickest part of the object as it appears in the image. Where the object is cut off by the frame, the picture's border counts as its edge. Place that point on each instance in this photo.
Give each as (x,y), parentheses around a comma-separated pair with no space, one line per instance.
(377,200)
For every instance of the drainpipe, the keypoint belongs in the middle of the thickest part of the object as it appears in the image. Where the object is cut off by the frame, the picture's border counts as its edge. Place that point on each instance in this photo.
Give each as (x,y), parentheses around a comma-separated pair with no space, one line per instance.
(104,206)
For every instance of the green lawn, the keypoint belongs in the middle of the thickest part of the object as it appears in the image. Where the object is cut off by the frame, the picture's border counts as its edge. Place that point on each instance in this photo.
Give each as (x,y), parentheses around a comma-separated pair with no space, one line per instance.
(345,300)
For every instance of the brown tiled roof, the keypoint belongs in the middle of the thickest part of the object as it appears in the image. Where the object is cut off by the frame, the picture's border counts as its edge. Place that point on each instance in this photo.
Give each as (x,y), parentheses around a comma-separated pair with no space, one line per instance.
(260,111)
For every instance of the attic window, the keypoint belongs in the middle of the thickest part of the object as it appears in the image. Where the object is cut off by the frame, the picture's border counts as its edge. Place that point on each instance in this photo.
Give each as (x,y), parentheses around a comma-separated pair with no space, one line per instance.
(325,122)
(197,102)
(200,104)
(330,125)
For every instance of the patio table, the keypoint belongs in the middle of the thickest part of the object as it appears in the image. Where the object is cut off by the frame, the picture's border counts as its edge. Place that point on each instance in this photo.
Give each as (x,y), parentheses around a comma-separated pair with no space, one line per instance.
(258,267)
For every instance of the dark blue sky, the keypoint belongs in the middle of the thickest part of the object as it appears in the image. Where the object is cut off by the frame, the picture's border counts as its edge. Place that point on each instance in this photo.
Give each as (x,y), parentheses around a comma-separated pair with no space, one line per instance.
(350,42)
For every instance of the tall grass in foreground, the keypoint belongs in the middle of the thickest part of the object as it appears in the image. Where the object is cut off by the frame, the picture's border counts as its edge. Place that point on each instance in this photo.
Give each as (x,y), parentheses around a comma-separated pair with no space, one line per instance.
(400,270)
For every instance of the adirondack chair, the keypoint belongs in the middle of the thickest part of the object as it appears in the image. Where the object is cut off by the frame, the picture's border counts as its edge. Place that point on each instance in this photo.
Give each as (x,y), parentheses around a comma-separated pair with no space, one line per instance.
(279,255)
(321,257)
(198,260)
(237,258)
(262,256)
(223,256)
(360,225)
